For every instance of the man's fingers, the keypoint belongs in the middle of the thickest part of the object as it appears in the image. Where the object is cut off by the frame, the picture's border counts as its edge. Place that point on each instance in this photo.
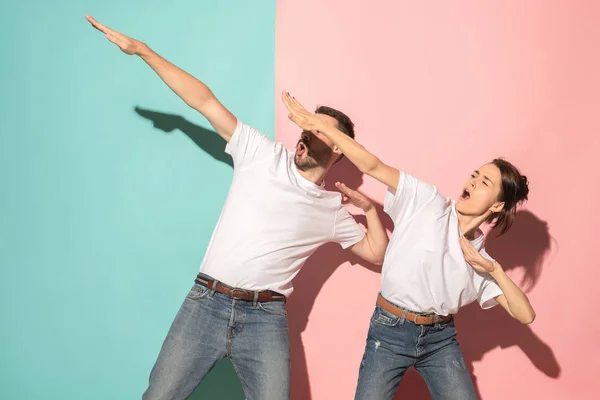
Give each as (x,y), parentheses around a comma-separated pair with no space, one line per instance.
(346,190)
(340,188)
(112,38)
(97,25)
(117,40)
(105,29)
(343,188)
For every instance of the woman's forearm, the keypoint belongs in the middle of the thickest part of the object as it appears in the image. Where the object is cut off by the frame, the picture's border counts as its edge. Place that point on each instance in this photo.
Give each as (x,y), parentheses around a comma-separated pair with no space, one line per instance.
(364,160)
(517,301)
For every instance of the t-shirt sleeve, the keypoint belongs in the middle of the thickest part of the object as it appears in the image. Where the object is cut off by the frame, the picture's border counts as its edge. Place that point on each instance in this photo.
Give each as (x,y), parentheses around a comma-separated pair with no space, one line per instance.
(247,145)
(347,232)
(409,197)
(488,288)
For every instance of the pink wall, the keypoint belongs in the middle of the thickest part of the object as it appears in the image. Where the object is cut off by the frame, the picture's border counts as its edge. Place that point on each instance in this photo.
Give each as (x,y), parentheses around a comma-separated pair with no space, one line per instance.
(438,88)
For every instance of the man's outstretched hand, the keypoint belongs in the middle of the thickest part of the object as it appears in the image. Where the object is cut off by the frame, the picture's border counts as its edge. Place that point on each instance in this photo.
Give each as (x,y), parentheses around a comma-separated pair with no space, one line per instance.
(355,197)
(126,44)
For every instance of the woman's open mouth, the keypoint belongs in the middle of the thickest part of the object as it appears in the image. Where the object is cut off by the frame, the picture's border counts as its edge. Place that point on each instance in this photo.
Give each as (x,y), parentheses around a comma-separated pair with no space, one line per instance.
(465,195)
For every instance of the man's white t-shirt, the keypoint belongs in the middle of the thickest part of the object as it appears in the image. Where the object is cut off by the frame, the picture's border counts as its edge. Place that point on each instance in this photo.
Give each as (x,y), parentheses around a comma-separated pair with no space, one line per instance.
(273,218)
(424,268)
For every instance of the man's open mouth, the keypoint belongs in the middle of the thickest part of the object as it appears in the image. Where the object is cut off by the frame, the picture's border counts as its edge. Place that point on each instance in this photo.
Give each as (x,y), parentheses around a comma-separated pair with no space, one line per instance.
(301,149)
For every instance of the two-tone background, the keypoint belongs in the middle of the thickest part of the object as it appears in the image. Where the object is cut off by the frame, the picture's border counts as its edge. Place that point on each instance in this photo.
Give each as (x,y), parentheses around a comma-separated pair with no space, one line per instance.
(110,186)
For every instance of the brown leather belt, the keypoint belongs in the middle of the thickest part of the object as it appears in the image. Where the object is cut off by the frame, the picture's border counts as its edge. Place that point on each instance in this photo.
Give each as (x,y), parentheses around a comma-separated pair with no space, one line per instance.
(264,296)
(418,319)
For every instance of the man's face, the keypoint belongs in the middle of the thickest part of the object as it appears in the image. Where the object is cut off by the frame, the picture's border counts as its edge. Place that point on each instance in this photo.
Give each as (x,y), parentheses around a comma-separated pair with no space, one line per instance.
(315,149)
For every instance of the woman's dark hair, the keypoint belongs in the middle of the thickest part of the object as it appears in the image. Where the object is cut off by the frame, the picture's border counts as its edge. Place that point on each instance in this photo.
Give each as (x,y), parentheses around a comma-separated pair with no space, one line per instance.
(515,188)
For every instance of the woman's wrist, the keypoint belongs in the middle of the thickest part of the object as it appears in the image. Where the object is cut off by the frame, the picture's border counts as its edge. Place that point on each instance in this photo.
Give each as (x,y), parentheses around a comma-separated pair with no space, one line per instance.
(496,269)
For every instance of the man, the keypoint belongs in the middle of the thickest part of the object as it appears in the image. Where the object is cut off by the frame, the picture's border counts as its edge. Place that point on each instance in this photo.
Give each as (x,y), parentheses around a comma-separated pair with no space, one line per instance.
(276,215)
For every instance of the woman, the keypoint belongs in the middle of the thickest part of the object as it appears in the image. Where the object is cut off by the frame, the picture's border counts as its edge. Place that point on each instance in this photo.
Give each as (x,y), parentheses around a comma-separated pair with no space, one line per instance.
(425,279)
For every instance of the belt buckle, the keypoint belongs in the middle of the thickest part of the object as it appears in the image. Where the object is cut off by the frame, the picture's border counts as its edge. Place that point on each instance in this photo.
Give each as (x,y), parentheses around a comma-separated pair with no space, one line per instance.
(233,291)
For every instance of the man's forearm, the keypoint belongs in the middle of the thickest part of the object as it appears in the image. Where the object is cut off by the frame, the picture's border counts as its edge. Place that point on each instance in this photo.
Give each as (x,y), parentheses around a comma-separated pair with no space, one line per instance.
(191,90)
(376,235)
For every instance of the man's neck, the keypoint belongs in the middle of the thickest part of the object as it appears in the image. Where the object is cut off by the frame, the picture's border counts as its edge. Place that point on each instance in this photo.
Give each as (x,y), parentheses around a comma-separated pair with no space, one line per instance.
(315,175)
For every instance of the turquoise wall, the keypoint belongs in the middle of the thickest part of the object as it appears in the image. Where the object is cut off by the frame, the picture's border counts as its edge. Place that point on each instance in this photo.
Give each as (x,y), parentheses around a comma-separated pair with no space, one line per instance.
(105,212)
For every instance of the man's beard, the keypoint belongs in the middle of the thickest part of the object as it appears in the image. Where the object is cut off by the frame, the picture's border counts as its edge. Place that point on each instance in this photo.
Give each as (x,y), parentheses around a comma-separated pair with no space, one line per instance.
(313,159)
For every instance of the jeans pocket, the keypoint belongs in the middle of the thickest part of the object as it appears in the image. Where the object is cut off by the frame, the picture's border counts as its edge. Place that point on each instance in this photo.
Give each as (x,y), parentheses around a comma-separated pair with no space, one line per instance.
(382,317)
(446,324)
(273,307)
(198,292)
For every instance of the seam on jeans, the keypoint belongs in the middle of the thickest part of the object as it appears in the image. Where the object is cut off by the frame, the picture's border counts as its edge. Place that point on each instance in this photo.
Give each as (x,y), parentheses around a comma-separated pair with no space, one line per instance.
(228,342)
(452,341)
(239,377)
(191,315)
(230,326)
(385,319)
(203,294)
(261,307)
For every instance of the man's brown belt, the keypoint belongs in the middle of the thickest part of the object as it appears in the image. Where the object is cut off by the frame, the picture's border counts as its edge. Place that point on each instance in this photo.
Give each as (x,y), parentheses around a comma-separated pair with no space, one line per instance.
(262,296)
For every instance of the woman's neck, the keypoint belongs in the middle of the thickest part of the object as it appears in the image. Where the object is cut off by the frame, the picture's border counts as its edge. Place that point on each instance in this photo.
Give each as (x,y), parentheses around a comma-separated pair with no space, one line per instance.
(470,224)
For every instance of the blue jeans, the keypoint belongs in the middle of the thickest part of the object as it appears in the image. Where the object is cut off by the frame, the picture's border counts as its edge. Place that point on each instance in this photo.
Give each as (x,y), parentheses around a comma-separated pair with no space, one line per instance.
(394,344)
(211,326)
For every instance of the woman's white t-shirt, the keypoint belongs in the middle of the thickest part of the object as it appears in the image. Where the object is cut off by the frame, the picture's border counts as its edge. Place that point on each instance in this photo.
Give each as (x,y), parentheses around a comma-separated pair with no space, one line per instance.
(424,268)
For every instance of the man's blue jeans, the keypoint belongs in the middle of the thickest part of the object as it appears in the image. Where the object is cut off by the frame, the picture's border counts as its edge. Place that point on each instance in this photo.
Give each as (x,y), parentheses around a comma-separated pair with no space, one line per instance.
(211,326)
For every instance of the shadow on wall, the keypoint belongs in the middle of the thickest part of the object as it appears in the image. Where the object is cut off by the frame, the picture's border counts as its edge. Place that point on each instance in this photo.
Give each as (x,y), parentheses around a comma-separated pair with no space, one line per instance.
(524,249)
(222,382)
(208,140)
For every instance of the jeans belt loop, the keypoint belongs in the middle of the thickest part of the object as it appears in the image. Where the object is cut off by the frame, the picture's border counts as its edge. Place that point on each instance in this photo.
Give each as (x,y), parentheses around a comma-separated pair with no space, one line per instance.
(403,318)
(255,302)
(214,287)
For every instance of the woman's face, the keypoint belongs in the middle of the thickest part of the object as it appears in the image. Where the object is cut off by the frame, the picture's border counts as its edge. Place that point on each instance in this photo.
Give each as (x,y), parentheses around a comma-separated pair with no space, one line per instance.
(481,192)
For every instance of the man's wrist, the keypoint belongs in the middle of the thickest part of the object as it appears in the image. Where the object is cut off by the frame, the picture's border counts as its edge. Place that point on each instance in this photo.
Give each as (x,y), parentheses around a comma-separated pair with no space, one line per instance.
(143,50)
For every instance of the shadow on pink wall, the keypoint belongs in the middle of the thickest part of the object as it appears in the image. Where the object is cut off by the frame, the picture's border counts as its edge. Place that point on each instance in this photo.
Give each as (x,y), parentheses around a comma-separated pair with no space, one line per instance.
(523,249)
